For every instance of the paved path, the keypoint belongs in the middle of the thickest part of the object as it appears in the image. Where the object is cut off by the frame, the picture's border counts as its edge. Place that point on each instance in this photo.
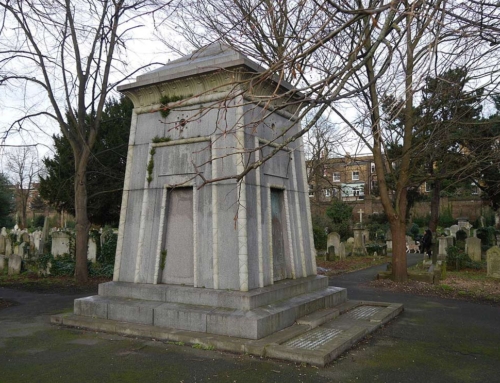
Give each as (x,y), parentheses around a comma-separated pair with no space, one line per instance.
(434,340)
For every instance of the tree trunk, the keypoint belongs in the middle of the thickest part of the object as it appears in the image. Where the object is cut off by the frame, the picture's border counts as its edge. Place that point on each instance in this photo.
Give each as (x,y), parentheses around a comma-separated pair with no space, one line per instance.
(82,221)
(435,201)
(399,268)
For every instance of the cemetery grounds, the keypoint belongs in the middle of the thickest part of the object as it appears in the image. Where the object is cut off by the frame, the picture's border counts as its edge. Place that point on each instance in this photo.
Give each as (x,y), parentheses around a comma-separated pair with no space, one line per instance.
(468,284)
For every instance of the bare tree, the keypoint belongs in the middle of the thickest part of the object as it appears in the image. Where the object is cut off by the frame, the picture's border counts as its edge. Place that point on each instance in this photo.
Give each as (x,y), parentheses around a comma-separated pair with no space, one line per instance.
(69,55)
(356,52)
(24,166)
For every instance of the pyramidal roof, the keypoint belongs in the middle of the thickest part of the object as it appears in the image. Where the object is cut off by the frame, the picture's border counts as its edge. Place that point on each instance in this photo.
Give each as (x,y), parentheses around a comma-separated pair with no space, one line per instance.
(207,59)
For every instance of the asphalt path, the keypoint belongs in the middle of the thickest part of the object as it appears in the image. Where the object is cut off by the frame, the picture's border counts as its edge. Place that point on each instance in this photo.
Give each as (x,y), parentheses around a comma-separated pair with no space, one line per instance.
(433,340)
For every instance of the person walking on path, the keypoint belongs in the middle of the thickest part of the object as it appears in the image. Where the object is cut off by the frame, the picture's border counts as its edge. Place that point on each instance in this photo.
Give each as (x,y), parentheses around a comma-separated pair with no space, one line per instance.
(427,243)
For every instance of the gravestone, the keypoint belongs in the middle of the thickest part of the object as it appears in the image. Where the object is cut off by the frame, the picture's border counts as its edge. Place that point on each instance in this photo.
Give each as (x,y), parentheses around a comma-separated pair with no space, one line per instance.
(15,262)
(3,259)
(333,239)
(474,233)
(25,237)
(350,240)
(453,230)
(60,243)
(8,246)
(493,262)
(330,255)
(38,242)
(2,244)
(359,248)
(208,258)
(389,245)
(447,231)
(443,246)
(3,232)
(92,250)
(473,248)
(342,252)
(388,235)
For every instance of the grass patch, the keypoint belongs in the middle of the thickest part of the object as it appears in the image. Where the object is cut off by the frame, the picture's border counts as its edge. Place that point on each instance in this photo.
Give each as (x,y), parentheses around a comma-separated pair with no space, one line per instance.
(349,264)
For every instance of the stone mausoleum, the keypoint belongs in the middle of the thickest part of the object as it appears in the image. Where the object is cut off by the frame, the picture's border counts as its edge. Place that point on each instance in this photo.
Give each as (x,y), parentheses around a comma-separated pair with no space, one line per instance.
(231,257)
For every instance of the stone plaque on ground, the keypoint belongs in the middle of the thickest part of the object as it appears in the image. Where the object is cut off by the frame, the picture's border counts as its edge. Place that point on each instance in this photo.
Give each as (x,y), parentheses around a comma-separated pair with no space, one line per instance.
(333,239)
(493,262)
(473,247)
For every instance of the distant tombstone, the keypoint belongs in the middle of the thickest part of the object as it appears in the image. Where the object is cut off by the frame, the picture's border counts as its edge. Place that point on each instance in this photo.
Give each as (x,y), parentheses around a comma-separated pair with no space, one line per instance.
(92,250)
(388,235)
(16,228)
(410,240)
(359,242)
(333,239)
(493,262)
(443,247)
(341,252)
(350,240)
(25,237)
(330,255)
(482,221)
(60,243)
(389,245)
(447,231)
(473,248)
(15,262)
(8,246)
(3,232)
(22,249)
(2,262)
(453,230)
(2,244)
(38,242)
(474,233)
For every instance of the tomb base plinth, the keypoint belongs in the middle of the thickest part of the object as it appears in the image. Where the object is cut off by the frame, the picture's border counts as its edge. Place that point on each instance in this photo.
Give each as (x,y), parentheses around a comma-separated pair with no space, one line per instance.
(251,315)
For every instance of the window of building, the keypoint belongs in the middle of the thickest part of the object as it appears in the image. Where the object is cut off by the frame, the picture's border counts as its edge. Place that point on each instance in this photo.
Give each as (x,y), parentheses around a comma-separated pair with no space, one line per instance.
(372,167)
(355,176)
(311,190)
(428,187)
(328,192)
(336,177)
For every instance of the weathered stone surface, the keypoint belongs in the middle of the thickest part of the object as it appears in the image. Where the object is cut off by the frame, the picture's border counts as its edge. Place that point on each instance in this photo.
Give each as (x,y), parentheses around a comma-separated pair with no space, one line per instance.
(453,230)
(473,248)
(333,239)
(60,243)
(342,251)
(2,243)
(359,242)
(15,262)
(493,262)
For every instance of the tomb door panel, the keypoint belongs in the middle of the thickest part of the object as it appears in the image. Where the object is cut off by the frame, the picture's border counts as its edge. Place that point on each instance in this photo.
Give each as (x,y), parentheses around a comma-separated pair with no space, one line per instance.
(278,228)
(179,262)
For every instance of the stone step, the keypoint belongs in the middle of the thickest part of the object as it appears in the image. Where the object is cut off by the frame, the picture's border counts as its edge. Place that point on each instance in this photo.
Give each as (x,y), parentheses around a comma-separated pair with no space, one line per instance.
(298,343)
(242,300)
(252,324)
